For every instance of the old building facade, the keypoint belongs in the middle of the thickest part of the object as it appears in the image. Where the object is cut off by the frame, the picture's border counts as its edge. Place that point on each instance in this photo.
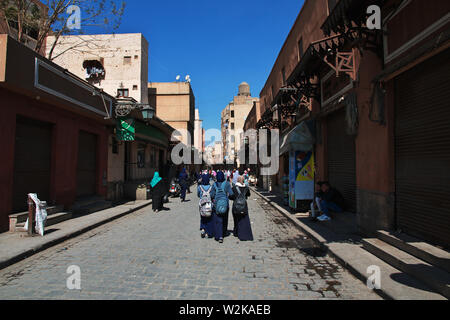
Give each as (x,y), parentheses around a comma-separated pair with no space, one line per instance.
(369,100)
(118,65)
(55,135)
(233,118)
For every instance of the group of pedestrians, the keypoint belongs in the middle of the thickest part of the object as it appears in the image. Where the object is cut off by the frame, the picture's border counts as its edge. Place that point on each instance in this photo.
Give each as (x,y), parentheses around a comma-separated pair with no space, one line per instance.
(218,192)
(214,205)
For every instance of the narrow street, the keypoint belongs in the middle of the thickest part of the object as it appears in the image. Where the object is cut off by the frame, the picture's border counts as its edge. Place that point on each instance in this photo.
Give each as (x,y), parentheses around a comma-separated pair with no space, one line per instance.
(161,256)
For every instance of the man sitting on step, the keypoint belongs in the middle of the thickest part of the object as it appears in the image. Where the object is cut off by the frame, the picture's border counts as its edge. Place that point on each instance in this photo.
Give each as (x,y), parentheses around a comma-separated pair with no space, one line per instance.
(328,199)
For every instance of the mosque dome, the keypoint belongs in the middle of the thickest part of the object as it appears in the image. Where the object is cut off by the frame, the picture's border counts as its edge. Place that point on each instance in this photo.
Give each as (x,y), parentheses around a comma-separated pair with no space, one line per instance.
(244,89)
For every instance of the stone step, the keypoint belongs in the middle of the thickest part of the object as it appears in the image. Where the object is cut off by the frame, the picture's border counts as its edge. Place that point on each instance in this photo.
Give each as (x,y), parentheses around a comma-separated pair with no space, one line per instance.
(51,220)
(422,250)
(22,217)
(436,278)
(395,284)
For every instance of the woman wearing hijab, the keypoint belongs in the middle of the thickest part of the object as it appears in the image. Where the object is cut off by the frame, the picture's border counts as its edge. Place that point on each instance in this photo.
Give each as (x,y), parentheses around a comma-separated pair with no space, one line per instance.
(222,192)
(206,224)
(242,225)
(183,178)
(158,192)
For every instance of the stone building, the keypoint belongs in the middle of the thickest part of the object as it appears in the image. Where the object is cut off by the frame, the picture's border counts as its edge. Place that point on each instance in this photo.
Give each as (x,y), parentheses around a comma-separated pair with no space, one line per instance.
(175,104)
(233,118)
(54,133)
(375,104)
(118,64)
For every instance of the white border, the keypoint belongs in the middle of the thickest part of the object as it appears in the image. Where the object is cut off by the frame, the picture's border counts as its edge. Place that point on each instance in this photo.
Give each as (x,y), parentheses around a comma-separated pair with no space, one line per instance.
(39,62)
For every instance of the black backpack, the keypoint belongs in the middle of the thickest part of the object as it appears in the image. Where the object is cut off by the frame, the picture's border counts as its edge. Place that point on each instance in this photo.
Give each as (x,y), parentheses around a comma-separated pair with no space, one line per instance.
(240,204)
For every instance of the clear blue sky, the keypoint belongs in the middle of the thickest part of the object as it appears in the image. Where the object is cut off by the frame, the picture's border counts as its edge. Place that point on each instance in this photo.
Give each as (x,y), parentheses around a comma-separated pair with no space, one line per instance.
(218,43)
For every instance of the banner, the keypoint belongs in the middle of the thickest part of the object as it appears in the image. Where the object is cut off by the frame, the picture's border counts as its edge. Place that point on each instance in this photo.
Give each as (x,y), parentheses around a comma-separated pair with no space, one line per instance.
(125,130)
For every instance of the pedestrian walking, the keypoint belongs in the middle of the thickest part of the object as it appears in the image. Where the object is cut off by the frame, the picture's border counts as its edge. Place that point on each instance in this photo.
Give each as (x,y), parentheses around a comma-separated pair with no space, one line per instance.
(222,192)
(206,193)
(158,192)
(236,176)
(183,179)
(242,225)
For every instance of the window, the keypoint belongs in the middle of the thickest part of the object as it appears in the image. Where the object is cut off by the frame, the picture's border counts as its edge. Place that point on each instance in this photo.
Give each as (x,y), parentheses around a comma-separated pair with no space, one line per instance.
(141,158)
(94,70)
(115,146)
(233,139)
(135,87)
(232,126)
(232,113)
(126,60)
(300,49)
(123,93)
(283,76)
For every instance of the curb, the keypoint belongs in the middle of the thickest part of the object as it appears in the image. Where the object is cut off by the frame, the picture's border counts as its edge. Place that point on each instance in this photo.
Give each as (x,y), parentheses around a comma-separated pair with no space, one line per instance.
(323,245)
(24,255)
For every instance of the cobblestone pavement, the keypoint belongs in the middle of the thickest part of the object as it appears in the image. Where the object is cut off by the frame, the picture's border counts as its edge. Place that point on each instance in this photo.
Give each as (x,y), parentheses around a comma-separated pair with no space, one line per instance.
(161,256)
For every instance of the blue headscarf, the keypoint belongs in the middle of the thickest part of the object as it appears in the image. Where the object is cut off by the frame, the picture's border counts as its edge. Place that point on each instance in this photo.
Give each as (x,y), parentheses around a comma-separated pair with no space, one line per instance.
(155,180)
(205,180)
(220,176)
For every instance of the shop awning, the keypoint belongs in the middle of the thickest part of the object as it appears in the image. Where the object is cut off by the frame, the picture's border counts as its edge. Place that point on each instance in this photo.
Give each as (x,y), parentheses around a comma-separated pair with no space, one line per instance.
(298,139)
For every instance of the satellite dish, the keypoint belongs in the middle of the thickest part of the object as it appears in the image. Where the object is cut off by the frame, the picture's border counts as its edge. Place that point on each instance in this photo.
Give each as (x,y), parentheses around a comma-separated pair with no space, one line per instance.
(178,77)
(188,77)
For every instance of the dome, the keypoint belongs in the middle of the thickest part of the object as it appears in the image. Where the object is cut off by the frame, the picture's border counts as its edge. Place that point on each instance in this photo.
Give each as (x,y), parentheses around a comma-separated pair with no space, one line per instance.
(244,89)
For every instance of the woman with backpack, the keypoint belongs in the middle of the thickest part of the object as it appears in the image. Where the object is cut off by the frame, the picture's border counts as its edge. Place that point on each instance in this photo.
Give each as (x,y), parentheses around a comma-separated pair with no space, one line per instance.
(242,225)
(206,194)
(222,191)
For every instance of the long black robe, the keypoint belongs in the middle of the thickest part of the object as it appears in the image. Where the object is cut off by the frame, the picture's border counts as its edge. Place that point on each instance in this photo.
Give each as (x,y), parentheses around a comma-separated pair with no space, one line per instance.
(158,192)
(242,225)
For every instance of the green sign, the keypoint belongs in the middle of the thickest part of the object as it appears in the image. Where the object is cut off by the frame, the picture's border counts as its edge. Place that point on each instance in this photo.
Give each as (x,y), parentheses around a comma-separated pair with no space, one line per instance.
(126,130)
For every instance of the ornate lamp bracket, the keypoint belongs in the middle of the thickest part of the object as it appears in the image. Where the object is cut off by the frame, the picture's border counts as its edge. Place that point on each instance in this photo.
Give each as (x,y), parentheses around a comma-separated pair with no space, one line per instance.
(344,62)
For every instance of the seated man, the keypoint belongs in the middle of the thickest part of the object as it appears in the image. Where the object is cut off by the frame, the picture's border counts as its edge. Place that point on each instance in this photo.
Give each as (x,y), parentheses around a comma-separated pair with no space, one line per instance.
(330,199)
(315,205)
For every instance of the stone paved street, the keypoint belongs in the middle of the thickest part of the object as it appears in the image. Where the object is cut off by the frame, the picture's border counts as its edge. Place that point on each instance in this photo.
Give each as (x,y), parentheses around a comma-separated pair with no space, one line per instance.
(149,256)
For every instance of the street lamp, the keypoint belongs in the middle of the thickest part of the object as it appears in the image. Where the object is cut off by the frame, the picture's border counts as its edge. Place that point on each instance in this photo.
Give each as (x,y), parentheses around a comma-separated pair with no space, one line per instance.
(148,113)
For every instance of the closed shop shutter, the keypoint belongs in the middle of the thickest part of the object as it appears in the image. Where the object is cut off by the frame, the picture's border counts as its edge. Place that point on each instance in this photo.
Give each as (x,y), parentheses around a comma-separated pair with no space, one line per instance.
(422,149)
(32,163)
(341,158)
(87,164)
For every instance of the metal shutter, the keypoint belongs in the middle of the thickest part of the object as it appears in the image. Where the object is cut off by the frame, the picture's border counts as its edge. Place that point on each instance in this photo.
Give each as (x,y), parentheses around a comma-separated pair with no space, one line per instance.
(341,158)
(422,149)
(32,162)
(87,164)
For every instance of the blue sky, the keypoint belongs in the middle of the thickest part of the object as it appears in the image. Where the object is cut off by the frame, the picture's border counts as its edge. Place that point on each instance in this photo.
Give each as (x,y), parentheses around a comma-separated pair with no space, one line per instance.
(218,43)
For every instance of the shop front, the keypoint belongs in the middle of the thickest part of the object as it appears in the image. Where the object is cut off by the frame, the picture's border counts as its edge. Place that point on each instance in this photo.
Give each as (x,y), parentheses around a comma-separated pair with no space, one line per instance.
(298,144)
